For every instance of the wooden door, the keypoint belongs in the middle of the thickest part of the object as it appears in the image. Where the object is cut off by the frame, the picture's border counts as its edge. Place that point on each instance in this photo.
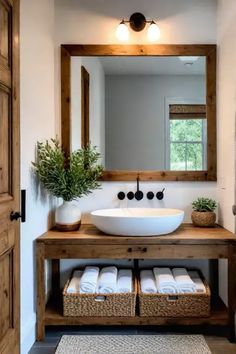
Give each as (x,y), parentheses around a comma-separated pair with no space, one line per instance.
(9,176)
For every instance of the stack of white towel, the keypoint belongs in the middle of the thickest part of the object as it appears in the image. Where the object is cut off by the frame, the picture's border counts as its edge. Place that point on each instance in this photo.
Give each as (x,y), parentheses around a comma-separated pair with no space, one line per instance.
(167,281)
(108,280)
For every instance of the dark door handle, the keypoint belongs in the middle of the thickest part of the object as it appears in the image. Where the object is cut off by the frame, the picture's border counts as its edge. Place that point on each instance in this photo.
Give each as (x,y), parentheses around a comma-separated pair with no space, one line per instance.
(17,214)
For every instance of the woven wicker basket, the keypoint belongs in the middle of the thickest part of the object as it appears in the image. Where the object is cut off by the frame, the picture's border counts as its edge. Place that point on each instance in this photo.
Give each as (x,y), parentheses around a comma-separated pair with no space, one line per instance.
(100,305)
(179,305)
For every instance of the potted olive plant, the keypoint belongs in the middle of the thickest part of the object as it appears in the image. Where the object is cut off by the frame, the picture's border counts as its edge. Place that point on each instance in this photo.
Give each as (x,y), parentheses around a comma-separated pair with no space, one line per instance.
(67,178)
(203,212)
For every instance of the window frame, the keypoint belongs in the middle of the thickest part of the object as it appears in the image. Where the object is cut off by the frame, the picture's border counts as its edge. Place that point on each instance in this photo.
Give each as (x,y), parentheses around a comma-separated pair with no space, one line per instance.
(179,100)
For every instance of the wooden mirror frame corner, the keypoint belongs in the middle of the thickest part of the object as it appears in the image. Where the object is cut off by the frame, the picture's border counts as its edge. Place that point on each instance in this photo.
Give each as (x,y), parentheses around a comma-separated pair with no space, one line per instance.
(207,50)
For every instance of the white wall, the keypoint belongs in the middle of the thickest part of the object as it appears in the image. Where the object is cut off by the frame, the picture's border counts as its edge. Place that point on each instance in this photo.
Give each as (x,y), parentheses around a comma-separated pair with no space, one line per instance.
(226,34)
(136,117)
(180,21)
(96,102)
(37,123)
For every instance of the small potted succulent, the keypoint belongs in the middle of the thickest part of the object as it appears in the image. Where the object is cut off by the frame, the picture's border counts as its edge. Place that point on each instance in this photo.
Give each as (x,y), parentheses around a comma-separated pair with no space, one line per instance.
(203,214)
(68,178)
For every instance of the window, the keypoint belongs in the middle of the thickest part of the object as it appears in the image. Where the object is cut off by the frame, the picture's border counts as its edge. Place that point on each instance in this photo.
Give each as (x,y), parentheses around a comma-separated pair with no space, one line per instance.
(187,129)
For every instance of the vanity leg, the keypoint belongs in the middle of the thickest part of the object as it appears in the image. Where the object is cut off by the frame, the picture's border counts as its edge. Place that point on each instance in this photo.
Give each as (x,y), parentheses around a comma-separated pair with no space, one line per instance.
(40,263)
(55,279)
(231,291)
(214,278)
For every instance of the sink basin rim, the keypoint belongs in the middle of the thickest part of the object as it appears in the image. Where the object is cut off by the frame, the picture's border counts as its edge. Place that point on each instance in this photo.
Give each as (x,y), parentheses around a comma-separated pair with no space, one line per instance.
(114,212)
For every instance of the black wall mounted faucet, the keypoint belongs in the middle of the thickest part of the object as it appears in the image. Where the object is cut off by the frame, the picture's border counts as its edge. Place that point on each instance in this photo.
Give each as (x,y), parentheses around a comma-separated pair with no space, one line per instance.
(160,194)
(138,194)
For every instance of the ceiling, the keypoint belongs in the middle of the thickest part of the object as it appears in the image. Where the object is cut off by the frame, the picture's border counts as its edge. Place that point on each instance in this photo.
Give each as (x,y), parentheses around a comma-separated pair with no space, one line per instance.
(151,66)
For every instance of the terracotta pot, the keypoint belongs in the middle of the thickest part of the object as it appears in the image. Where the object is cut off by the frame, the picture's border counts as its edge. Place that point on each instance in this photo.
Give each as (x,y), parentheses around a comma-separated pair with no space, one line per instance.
(68,217)
(203,218)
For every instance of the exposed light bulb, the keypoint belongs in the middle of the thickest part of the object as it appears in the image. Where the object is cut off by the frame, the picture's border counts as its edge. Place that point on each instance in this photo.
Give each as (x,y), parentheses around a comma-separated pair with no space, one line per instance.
(122,32)
(153,32)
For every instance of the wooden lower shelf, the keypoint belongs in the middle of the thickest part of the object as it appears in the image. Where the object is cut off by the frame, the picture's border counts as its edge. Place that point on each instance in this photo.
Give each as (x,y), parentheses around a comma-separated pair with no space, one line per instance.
(54,316)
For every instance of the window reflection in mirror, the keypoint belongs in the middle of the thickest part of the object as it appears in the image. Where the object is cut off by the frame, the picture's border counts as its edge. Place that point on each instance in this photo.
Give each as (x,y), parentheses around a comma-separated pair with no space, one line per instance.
(187,137)
(146,113)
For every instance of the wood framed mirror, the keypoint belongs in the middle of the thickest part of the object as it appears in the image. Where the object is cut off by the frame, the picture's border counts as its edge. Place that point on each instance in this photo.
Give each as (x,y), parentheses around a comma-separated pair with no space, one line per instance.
(186,134)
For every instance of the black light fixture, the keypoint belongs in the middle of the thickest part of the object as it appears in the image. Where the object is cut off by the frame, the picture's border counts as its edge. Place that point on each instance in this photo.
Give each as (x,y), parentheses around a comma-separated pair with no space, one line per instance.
(137,22)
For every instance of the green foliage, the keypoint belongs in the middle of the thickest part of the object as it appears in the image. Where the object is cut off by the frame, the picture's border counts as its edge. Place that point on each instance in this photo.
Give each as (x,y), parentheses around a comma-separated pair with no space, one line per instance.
(186,144)
(204,204)
(67,178)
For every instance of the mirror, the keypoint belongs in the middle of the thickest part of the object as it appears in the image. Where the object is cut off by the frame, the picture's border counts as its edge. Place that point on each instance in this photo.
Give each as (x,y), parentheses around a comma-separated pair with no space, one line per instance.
(148,114)
(145,113)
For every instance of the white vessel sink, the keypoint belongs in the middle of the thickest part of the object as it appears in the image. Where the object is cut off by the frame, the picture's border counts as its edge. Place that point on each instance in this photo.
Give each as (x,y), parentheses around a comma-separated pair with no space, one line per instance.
(137,221)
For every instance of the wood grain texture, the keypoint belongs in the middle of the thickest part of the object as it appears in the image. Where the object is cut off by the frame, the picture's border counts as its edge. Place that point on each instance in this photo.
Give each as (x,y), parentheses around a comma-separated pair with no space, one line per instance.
(136,252)
(128,175)
(10,187)
(188,242)
(211,113)
(15,160)
(5,134)
(40,290)
(187,234)
(5,36)
(5,293)
(65,100)
(138,50)
(207,50)
(5,75)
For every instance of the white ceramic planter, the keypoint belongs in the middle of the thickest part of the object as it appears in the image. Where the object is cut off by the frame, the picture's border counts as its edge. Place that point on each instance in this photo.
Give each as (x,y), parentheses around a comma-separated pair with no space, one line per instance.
(68,217)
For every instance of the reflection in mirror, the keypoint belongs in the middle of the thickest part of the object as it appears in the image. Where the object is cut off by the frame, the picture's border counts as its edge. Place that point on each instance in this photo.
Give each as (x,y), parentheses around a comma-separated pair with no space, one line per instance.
(84,107)
(145,113)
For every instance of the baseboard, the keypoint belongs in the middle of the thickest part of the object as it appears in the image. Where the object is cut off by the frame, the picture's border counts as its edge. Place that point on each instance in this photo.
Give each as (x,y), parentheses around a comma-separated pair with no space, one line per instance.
(28,336)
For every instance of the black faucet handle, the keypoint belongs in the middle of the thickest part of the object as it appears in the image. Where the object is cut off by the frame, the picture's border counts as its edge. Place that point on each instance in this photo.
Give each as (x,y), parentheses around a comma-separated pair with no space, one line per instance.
(121,195)
(130,195)
(150,195)
(138,195)
(160,194)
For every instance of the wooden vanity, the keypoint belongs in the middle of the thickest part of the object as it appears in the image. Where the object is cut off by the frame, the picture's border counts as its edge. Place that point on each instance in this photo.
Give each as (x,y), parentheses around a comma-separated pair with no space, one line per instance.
(188,242)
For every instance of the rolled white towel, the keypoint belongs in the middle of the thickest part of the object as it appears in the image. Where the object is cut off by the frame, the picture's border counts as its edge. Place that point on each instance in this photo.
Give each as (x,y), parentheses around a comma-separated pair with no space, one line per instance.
(88,282)
(148,284)
(124,281)
(74,284)
(183,280)
(107,281)
(200,287)
(165,281)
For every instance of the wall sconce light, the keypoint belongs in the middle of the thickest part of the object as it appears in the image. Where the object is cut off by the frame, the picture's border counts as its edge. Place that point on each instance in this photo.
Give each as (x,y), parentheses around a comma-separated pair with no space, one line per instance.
(137,23)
